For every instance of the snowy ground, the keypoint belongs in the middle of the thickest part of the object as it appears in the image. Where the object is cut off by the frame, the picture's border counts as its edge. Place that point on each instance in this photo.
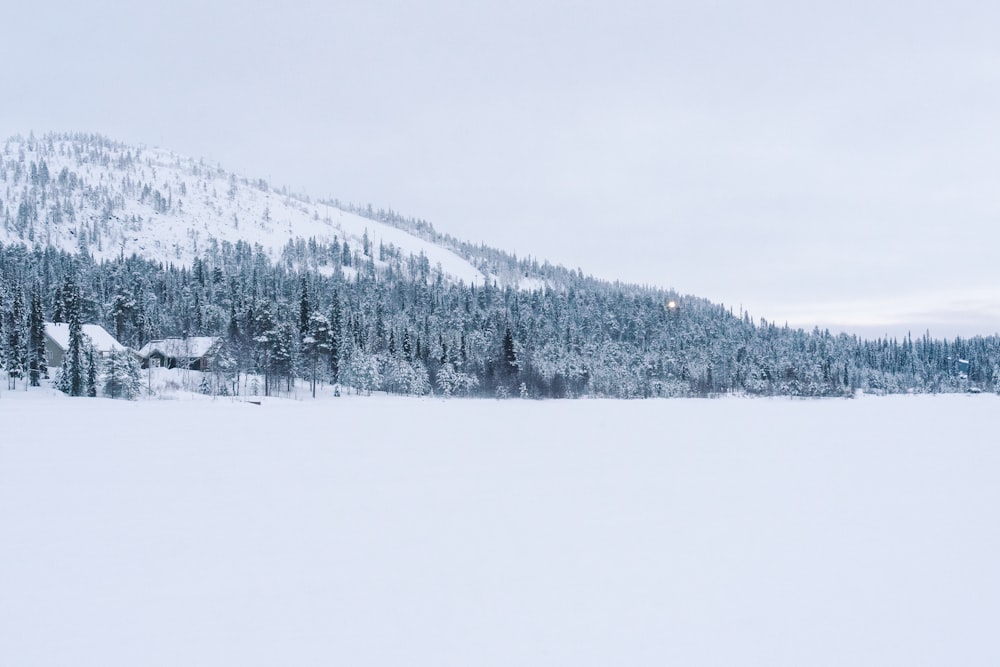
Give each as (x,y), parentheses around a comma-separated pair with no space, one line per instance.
(378,531)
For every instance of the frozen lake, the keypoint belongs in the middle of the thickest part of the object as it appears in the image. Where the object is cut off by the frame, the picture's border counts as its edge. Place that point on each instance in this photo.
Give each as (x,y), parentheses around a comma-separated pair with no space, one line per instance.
(381,531)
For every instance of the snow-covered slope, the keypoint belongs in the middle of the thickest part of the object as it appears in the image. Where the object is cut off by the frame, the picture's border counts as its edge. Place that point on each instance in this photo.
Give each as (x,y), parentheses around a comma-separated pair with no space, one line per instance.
(85,191)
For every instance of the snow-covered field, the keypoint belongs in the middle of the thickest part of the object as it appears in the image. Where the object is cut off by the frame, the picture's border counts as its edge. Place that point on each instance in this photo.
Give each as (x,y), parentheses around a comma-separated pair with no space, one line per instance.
(379,531)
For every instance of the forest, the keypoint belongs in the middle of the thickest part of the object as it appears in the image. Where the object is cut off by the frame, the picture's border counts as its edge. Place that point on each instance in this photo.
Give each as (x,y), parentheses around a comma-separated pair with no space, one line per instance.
(327,313)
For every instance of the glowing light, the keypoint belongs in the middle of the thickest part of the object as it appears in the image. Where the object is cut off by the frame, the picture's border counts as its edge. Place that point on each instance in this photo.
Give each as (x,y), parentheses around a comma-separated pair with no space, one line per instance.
(671,305)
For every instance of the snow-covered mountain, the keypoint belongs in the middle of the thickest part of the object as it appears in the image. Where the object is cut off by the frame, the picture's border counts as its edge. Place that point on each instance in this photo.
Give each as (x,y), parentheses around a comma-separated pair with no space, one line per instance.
(404,325)
(82,191)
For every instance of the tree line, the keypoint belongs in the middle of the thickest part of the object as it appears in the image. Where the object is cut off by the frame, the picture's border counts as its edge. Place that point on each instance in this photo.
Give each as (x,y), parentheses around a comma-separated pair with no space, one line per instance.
(402,327)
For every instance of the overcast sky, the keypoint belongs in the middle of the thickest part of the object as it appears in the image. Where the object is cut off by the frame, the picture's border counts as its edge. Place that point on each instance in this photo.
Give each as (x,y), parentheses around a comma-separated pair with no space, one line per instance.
(831,163)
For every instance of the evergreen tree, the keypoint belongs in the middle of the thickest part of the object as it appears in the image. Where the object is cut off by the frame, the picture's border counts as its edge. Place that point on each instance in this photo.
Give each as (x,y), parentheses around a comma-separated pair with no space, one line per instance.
(57,316)
(73,373)
(121,307)
(316,344)
(265,342)
(121,375)
(91,371)
(38,357)
(407,347)
(336,336)
(3,327)
(508,361)
(16,354)
(305,309)
(283,353)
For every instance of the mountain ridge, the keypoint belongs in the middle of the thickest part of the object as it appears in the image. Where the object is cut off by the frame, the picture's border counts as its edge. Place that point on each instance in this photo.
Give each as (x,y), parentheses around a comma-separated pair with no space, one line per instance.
(88,192)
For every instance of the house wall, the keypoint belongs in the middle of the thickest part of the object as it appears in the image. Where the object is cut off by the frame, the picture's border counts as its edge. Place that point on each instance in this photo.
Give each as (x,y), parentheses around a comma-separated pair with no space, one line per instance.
(53,352)
(160,361)
(157,360)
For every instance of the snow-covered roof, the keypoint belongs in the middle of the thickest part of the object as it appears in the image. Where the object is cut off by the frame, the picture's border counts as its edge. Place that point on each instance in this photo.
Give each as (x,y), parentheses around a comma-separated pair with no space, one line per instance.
(99,337)
(184,348)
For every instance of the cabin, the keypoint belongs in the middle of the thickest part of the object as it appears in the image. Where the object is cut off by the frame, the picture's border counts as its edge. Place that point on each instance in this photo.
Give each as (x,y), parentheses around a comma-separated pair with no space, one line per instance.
(57,341)
(195,353)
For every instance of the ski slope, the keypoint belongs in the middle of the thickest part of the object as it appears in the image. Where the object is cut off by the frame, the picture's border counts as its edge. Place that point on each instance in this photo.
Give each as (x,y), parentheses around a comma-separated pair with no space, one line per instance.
(383,531)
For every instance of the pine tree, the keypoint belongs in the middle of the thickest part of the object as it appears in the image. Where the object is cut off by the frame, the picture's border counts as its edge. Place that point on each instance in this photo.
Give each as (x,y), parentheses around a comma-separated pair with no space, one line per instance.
(57,315)
(17,340)
(282,353)
(305,310)
(509,365)
(121,306)
(265,342)
(316,344)
(73,374)
(38,359)
(121,375)
(3,328)
(407,347)
(91,371)
(336,336)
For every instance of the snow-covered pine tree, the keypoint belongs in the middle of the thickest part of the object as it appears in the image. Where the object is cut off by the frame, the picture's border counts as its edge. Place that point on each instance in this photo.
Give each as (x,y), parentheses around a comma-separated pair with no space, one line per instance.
(38,358)
(283,353)
(305,310)
(16,343)
(508,359)
(264,341)
(316,344)
(3,326)
(91,370)
(73,373)
(225,369)
(122,305)
(336,336)
(57,313)
(121,375)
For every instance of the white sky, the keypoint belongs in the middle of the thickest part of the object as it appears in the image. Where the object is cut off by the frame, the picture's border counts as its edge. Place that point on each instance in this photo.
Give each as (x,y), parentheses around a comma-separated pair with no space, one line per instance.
(825,162)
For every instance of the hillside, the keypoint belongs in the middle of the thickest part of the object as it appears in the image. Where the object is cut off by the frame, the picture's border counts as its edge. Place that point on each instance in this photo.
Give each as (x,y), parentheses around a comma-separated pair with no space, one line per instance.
(86,192)
(150,244)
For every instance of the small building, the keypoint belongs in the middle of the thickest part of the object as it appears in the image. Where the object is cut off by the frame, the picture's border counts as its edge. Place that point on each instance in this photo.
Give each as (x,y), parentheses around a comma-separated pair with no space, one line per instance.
(195,353)
(57,341)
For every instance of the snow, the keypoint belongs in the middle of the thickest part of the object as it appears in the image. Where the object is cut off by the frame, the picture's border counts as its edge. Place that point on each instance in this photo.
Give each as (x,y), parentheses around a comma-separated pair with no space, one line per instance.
(384,531)
(193,347)
(529,284)
(210,206)
(99,337)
